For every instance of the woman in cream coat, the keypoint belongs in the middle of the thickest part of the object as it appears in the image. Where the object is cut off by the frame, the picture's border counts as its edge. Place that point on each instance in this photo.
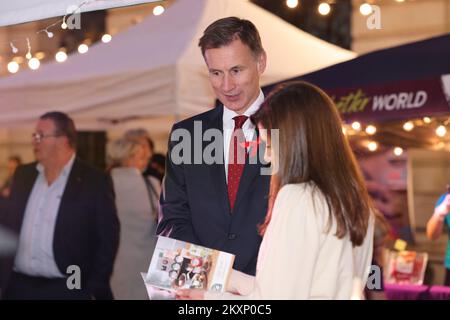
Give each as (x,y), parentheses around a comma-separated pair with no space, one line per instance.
(318,232)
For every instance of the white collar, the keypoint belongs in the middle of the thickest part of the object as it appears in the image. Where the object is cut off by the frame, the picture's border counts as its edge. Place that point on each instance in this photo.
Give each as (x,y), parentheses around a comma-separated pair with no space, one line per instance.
(228,114)
(66,169)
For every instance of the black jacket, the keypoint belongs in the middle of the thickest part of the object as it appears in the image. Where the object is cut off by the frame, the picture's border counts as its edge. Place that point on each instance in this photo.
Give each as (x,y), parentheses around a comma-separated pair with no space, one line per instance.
(194,204)
(87,227)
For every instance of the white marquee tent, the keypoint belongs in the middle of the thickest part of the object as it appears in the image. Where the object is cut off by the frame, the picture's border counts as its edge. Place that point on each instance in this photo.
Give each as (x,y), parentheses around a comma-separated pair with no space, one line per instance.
(154,69)
(20,11)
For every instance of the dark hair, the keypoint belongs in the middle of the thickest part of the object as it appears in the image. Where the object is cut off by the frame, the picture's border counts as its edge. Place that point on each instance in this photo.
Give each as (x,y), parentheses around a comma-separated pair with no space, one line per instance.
(64,126)
(313,148)
(223,31)
(159,159)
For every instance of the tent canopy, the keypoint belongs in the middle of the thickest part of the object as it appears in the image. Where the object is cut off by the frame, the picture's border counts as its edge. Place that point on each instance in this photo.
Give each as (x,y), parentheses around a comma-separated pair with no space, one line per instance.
(389,86)
(407,81)
(20,11)
(155,68)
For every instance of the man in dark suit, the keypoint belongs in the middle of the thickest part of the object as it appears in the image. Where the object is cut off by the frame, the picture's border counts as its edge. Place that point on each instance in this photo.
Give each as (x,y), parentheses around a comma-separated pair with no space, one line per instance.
(65,216)
(220,204)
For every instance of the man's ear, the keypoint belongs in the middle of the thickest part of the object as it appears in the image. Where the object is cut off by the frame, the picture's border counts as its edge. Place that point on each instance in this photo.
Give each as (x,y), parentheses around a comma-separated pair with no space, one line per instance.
(262,62)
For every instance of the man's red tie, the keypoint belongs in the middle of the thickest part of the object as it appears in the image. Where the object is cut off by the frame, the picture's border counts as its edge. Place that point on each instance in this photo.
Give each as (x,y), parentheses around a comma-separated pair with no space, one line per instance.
(236,159)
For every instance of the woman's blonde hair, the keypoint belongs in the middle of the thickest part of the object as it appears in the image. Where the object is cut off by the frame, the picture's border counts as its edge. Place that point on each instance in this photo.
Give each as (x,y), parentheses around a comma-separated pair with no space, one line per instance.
(119,150)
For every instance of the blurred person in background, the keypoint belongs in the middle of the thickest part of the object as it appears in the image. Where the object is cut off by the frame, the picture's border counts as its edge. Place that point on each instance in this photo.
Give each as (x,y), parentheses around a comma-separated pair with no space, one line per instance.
(64,213)
(144,138)
(13,163)
(157,166)
(435,227)
(137,211)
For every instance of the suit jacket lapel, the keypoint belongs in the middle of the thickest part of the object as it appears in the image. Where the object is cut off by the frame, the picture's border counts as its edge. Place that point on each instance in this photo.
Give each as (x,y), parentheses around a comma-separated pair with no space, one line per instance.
(218,170)
(69,197)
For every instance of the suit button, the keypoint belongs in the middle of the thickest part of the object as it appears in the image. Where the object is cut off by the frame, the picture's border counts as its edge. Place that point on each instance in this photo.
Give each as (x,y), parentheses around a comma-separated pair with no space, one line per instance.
(231,236)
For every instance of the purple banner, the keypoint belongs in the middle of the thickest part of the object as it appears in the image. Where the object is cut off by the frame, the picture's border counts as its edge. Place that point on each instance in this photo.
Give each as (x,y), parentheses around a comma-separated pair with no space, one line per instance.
(395,101)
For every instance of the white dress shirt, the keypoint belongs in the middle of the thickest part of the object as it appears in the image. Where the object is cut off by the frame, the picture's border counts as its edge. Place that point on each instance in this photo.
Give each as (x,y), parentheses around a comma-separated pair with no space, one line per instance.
(248,127)
(35,252)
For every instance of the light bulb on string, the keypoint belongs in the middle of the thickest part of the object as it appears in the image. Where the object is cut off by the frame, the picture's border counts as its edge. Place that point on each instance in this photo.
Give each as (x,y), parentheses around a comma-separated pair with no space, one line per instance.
(34,63)
(13,48)
(441,131)
(324,8)
(61,56)
(408,126)
(83,48)
(398,151)
(158,10)
(372,146)
(371,130)
(13,67)
(106,38)
(426,119)
(356,126)
(28,55)
(365,9)
(292,3)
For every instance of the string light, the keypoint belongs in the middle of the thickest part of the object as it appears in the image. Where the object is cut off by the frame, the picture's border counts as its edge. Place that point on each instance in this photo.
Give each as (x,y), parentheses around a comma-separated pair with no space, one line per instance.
(441,131)
(47,32)
(61,56)
(365,9)
(34,63)
(356,126)
(398,151)
(158,10)
(292,3)
(408,126)
(426,119)
(83,48)
(13,67)
(13,48)
(106,38)
(28,55)
(371,130)
(324,8)
(372,146)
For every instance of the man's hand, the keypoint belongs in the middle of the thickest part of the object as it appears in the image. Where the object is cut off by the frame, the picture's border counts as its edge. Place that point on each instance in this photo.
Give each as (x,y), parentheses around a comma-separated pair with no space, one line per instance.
(190,294)
(444,208)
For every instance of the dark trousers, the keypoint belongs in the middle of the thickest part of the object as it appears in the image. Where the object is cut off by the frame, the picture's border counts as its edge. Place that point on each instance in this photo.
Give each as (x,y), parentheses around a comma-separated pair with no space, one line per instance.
(447,277)
(24,287)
